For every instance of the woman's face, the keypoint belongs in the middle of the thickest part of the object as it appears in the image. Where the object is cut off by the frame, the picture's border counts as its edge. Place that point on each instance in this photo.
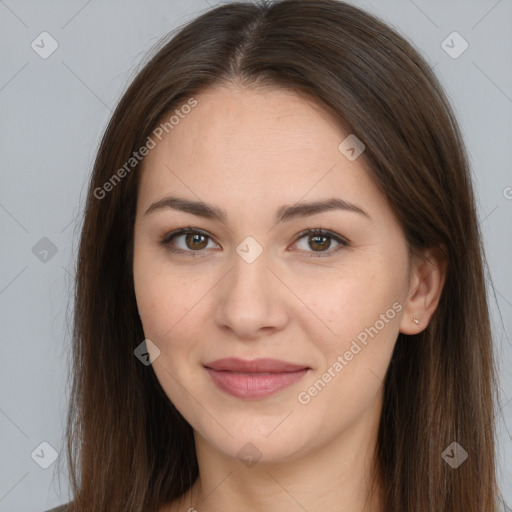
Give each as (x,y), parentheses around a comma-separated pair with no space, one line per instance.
(249,172)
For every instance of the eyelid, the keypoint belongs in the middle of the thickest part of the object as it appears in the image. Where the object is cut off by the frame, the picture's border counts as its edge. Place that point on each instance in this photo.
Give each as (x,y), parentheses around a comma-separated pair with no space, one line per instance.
(184,231)
(342,241)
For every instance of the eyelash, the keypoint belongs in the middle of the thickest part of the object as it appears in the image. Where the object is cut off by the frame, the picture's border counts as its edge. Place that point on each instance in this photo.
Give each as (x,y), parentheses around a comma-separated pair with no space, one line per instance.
(344,243)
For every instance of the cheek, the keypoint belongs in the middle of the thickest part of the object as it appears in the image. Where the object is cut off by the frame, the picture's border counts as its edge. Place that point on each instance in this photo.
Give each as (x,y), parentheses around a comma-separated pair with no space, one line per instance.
(362,310)
(353,364)
(166,309)
(170,308)
(347,304)
(163,298)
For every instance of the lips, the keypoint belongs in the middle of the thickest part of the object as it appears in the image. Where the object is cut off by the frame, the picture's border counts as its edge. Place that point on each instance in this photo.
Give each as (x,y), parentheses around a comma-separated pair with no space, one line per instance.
(233,364)
(257,378)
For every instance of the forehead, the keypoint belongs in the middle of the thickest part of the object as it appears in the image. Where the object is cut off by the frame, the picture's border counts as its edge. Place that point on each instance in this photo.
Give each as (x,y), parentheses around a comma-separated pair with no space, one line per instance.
(259,144)
(261,119)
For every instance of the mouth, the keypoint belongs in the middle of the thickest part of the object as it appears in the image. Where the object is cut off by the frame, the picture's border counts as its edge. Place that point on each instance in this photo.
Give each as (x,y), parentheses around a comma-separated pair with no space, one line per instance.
(257,378)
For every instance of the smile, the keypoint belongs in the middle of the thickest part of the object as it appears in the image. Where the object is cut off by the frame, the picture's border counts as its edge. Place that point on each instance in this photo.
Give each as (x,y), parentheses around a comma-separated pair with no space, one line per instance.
(258,378)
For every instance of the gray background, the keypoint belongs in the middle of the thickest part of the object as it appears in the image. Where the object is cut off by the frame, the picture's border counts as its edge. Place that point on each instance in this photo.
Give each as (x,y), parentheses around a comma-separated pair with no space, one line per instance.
(53,112)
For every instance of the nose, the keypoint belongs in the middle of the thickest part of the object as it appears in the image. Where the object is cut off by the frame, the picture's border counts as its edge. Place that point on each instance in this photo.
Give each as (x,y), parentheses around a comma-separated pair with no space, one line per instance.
(250,300)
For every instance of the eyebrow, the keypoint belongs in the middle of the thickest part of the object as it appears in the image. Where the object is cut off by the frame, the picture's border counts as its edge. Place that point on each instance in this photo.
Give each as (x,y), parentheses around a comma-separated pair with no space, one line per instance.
(284,213)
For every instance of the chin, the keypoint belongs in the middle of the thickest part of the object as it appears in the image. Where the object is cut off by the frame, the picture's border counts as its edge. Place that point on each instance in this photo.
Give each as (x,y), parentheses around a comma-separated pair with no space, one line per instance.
(269,440)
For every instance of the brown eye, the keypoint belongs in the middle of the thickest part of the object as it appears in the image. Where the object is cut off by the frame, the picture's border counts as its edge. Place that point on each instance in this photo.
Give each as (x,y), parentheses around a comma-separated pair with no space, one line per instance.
(188,241)
(320,241)
(196,241)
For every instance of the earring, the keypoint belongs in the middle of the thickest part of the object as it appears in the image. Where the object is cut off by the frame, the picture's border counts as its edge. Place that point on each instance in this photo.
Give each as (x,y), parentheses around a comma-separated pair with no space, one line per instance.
(416,321)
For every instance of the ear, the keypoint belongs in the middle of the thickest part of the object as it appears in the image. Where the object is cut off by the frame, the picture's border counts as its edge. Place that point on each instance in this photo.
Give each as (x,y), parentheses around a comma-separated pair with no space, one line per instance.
(427,278)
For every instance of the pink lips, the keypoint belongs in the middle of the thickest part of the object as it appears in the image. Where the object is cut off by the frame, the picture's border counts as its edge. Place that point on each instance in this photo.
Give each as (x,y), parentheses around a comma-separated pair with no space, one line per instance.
(253,379)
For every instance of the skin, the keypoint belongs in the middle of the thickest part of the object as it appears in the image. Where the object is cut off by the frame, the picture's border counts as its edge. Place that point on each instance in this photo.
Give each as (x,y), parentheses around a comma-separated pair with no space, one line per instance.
(250,151)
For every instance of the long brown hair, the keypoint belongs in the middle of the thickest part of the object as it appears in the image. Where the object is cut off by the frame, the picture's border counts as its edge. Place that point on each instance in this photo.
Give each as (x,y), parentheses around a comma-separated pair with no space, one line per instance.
(128,447)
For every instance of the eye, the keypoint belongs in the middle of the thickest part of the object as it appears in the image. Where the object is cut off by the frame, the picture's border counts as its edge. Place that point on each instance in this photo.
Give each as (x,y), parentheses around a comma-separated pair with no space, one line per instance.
(319,241)
(192,241)
(187,241)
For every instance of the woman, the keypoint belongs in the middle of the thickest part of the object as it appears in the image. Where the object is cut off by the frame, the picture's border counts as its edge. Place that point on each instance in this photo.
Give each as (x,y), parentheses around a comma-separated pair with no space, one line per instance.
(280,299)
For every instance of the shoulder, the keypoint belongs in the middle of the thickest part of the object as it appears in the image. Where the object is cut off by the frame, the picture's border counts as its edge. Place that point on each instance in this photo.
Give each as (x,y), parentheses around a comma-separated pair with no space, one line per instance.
(60,508)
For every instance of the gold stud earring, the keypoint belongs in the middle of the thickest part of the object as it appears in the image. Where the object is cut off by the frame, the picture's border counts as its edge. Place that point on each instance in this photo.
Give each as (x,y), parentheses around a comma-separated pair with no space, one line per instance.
(416,321)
